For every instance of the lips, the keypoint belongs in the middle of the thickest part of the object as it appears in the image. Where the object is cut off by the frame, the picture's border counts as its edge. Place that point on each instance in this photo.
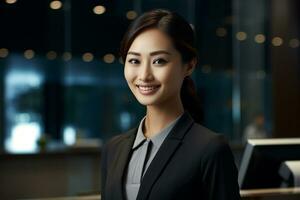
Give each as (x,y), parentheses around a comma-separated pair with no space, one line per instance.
(148,89)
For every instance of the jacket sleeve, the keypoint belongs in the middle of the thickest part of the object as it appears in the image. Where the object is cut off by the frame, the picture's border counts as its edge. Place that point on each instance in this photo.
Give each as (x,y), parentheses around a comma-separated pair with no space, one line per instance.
(219,173)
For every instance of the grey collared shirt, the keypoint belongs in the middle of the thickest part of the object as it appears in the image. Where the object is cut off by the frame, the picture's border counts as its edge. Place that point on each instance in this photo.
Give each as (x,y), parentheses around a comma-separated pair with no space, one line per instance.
(141,144)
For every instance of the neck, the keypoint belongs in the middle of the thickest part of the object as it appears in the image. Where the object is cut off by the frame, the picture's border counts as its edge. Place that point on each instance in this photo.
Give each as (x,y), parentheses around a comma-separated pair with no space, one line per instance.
(159,116)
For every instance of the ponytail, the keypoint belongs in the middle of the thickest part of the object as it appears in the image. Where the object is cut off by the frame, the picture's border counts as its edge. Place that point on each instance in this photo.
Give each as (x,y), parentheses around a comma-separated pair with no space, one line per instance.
(190,100)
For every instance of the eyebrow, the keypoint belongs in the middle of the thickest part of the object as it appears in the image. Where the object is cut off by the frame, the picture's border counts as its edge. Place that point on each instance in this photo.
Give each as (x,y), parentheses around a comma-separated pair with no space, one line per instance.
(151,54)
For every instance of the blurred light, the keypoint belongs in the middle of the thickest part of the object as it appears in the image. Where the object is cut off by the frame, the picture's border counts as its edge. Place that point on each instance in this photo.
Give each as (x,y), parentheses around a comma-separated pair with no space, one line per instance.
(206,69)
(11,1)
(67,56)
(87,57)
(277,41)
(23,78)
(125,120)
(221,32)
(51,55)
(55,5)
(23,138)
(29,54)
(98,10)
(131,14)
(69,135)
(23,117)
(260,38)
(109,58)
(3,52)
(241,36)
(294,43)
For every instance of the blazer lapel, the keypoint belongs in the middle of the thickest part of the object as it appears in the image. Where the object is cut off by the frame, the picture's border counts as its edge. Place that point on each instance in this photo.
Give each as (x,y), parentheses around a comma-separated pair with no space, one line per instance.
(120,163)
(164,154)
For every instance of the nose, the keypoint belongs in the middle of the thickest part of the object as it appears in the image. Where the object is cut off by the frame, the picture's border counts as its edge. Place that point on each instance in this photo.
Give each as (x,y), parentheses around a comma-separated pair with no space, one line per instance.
(145,73)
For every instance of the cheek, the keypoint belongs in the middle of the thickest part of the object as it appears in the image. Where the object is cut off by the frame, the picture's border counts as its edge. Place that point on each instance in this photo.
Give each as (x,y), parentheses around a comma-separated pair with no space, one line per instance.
(173,78)
(128,74)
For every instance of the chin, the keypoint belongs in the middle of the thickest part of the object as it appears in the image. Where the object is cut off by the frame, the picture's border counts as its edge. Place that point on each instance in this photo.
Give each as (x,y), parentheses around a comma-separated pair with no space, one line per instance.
(147,101)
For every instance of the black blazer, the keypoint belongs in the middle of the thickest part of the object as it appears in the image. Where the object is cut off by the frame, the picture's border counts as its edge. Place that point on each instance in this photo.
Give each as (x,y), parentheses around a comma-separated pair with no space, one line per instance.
(192,163)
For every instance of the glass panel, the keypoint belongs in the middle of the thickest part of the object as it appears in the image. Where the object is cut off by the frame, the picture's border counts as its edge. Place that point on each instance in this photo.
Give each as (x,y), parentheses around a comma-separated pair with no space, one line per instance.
(98,103)
(23,104)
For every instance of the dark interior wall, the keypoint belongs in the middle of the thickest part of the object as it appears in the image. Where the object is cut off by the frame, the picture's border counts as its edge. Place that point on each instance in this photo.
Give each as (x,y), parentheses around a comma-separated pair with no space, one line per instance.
(285,69)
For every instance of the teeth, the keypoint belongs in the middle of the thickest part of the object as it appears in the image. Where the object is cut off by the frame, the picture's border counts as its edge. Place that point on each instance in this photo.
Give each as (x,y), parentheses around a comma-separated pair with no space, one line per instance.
(147,87)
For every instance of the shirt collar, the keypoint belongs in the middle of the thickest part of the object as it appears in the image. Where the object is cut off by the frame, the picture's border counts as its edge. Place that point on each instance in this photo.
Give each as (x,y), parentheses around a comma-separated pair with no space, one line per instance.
(157,139)
(140,135)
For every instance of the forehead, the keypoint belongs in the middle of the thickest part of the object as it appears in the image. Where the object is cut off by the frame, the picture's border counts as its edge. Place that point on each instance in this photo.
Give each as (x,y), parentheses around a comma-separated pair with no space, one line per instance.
(151,40)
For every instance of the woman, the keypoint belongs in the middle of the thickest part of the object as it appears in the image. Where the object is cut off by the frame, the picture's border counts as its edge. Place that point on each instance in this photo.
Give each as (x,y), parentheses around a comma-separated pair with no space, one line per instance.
(169,155)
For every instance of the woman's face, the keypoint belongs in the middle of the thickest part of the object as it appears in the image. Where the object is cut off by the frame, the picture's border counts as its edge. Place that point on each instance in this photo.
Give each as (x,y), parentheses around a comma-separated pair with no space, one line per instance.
(153,68)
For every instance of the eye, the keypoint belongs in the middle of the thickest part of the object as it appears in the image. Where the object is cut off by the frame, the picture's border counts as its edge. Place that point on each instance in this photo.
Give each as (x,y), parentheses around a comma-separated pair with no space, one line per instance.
(160,61)
(133,61)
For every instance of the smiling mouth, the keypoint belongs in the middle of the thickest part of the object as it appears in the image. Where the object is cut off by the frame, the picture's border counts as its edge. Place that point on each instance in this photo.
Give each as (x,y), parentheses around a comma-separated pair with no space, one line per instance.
(147,89)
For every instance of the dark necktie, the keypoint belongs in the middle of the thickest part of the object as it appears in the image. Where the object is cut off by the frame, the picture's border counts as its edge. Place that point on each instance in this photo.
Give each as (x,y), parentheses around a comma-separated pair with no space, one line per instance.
(147,156)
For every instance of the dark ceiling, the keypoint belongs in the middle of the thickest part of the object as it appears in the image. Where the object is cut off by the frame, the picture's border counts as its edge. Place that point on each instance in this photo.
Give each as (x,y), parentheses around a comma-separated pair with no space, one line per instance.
(32,24)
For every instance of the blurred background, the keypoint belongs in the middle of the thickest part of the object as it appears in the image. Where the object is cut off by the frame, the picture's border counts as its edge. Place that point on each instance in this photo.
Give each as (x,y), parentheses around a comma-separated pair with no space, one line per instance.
(63,93)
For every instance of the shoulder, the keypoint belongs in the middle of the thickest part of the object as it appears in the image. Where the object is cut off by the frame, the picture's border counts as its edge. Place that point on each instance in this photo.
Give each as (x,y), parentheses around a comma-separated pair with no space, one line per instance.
(207,144)
(216,167)
(211,148)
(206,138)
(116,140)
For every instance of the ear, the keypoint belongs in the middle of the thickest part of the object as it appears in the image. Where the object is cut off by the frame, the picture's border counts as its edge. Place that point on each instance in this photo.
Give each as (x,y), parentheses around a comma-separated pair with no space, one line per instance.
(190,66)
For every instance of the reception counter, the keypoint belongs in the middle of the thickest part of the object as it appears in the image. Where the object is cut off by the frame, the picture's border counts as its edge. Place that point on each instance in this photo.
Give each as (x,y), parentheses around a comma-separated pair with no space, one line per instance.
(253,194)
(61,172)
(271,194)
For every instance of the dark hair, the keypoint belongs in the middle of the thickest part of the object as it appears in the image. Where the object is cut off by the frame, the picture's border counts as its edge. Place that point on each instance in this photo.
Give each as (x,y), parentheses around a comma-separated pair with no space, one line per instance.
(183,37)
